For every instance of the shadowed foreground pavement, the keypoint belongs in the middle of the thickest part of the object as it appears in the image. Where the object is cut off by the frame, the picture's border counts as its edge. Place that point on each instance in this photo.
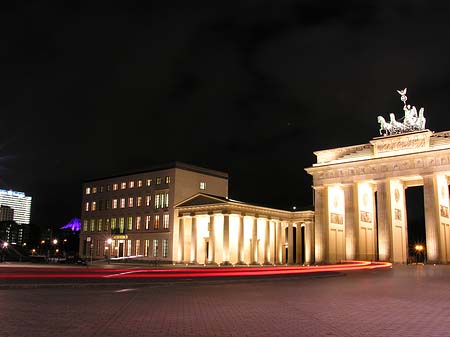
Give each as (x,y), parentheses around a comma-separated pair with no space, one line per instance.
(403,301)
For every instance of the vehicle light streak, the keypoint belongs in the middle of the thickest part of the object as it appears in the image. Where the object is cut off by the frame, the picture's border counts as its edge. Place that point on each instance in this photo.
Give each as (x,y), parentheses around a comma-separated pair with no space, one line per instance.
(142,273)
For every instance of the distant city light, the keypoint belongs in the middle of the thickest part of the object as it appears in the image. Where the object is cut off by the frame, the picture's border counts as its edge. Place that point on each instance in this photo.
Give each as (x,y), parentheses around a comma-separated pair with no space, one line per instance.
(74,225)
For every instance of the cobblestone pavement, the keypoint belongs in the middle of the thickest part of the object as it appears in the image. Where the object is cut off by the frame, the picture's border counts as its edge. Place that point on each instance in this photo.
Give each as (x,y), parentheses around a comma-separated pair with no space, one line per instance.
(403,301)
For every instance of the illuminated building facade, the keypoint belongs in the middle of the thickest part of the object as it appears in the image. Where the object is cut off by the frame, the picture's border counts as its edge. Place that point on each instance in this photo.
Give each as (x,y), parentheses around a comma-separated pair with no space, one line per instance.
(360,204)
(214,230)
(136,211)
(19,202)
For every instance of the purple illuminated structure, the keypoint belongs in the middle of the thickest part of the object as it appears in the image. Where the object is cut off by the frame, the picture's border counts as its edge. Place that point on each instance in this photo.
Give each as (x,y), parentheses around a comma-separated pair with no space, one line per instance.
(74,225)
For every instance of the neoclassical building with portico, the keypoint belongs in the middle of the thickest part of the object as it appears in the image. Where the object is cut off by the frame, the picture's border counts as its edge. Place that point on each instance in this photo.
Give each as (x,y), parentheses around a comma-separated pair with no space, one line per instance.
(218,230)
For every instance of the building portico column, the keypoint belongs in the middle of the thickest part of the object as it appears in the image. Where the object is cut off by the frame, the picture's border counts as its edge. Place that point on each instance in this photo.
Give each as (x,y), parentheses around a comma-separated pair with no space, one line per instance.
(194,240)
(181,240)
(384,221)
(432,218)
(226,239)
(298,244)
(279,243)
(351,229)
(320,225)
(309,240)
(267,242)
(290,243)
(254,246)
(212,240)
(241,240)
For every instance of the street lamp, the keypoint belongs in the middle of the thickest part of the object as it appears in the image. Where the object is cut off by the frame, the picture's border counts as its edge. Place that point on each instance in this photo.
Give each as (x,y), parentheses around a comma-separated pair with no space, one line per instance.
(4,247)
(109,242)
(419,250)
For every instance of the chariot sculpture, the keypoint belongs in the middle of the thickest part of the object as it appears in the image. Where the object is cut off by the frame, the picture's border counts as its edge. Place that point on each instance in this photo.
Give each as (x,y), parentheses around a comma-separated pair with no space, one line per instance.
(412,121)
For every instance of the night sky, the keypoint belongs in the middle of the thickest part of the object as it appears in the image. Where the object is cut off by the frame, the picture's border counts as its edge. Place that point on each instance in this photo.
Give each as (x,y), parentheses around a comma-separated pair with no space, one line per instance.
(251,88)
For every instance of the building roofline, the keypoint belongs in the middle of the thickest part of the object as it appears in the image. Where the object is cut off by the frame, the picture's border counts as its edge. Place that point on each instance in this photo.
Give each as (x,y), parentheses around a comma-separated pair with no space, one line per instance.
(164,166)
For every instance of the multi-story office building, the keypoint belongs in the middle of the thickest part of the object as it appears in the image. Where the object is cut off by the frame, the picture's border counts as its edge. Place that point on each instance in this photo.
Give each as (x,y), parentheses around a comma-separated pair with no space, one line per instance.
(19,202)
(136,211)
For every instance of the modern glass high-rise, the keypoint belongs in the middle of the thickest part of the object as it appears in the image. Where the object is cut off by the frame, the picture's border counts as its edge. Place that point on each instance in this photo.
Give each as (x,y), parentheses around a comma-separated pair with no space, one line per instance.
(19,202)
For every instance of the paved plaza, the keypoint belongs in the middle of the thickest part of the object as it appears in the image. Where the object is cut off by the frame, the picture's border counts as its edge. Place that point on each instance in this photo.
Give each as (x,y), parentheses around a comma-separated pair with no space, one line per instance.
(402,301)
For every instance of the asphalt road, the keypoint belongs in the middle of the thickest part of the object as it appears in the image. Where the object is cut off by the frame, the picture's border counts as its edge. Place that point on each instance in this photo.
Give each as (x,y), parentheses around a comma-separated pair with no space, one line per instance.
(402,301)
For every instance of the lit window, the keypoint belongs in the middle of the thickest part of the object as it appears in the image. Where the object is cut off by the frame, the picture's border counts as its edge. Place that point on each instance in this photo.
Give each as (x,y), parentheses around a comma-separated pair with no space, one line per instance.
(121,225)
(147,247)
(123,185)
(102,189)
(92,225)
(94,206)
(85,225)
(166,199)
(167,180)
(156,222)
(158,181)
(113,223)
(139,183)
(131,184)
(138,223)
(130,201)
(86,206)
(100,225)
(157,197)
(114,203)
(202,185)
(108,187)
(149,182)
(148,199)
(94,190)
(165,248)
(166,221)
(147,222)
(138,247)
(107,224)
(122,202)
(88,190)
(128,247)
(115,187)
(155,248)
(139,202)
(130,223)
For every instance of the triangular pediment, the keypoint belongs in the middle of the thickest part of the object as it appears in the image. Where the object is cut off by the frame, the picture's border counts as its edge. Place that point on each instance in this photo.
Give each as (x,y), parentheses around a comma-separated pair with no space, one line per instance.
(202,199)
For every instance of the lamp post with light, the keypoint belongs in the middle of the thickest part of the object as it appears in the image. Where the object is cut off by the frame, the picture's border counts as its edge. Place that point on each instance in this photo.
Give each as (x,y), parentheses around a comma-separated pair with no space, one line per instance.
(420,249)
(4,248)
(109,241)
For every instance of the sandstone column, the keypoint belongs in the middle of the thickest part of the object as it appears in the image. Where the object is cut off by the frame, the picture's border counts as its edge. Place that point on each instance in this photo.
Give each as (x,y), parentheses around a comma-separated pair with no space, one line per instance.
(194,240)
(254,245)
(226,238)
(181,240)
(267,242)
(241,240)
(212,239)
(431,201)
(290,243)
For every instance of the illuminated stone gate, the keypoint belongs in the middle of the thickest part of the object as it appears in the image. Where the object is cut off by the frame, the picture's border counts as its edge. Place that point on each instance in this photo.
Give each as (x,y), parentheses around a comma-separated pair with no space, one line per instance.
(359,195)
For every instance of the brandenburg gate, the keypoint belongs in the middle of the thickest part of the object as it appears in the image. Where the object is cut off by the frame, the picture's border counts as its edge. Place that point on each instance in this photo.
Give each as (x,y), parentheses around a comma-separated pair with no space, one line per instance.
(359,193)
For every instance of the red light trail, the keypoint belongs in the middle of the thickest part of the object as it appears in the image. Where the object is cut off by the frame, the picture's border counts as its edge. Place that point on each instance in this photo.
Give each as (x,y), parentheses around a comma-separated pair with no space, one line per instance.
(142,273)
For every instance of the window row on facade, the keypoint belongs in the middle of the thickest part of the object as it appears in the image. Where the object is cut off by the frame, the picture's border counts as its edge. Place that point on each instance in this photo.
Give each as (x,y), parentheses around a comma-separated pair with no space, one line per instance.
(120,225)
(124,185)
(161,201)
(126,248)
